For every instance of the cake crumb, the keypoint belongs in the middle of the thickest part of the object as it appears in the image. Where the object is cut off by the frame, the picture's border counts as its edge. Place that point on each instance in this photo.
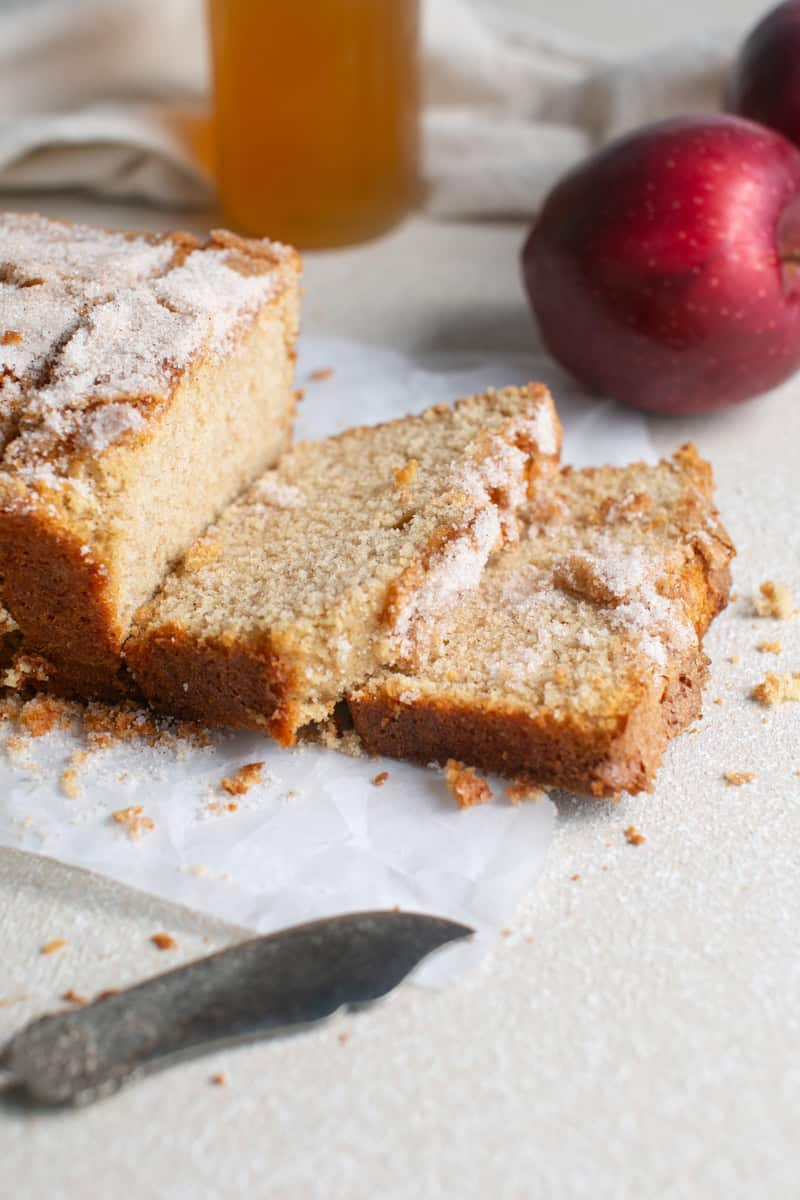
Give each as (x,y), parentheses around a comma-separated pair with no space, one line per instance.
(53,946)
(232,806)
(405,474)
(246,777)
(321,374)
(734,658)
(343,1038)
(218,1079)
(522,789)
(769,647)
(11,337)
(164,941)
(575,877)
(73,997)
(203,552)
(41,714)
(136,822)
(777,689)
(380,778)
(633,837)
(774,600)
(737,778)
(505,932)
(465,785)
(718,700)
(69,783)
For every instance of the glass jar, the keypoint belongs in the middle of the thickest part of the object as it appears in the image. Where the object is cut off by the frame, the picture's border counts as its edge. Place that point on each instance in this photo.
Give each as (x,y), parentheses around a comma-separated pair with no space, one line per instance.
(317,116)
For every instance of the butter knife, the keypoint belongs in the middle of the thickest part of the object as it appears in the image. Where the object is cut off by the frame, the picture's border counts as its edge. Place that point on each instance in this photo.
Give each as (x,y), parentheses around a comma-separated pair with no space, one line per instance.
(262,987)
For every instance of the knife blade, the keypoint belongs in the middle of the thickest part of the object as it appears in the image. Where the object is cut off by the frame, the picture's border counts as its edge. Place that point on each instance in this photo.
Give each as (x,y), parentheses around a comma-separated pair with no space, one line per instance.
(262,987)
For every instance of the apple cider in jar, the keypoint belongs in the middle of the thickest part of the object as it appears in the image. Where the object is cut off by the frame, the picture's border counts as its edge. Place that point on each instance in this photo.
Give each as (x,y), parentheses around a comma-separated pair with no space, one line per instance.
(317,116)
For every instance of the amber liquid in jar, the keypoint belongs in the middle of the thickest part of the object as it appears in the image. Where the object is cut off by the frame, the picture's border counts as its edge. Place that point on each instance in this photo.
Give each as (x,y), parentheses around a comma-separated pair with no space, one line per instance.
(317,116)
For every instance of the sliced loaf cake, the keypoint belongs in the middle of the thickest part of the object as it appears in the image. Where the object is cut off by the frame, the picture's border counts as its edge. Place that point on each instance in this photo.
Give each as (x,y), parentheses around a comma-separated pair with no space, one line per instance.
(145,380)
(337,561)
(580,653)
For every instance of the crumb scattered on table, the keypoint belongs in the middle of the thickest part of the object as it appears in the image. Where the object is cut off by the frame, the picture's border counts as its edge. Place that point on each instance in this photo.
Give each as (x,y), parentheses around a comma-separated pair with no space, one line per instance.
(135,821)
(73,997)
(164,941)
(218,1079)
(505,932)
(633,837)
(321,374)
(465,785)
(575,877)
(718,700)
(380,778)
(11,337)
(246,777)
(737,778)
(53,946)
(774,600)
(40,714)
(777,689)
(343,1037)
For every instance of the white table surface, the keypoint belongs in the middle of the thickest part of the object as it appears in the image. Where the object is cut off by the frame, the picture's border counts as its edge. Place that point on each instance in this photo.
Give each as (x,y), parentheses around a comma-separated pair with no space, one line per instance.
(635,1034)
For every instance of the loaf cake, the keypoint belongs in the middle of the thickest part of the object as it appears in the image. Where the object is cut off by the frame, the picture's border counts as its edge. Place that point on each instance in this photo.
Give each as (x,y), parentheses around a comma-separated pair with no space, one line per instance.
(338,560)
(580,653)
(145,381)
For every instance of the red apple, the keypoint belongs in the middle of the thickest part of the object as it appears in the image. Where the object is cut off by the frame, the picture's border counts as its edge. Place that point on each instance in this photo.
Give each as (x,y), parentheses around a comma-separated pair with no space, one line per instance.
(765,83)
(664,269)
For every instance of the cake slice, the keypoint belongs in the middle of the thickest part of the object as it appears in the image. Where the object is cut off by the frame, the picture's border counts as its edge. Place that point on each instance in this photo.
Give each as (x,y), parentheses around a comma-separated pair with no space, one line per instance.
(580,654)
(145,380)
(334,562)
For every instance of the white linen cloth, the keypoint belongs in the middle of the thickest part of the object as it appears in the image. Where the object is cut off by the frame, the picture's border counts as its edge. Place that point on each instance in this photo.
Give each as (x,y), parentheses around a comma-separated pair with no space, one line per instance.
(102,95)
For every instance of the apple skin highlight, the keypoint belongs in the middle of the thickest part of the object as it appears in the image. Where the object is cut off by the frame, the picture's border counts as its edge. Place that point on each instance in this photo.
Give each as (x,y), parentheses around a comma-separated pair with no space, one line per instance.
(665,269)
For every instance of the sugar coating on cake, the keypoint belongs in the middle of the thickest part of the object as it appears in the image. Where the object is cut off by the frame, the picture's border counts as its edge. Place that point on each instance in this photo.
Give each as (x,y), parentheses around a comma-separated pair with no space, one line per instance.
(109,319)
(145,381)
(343,556)
(593,619)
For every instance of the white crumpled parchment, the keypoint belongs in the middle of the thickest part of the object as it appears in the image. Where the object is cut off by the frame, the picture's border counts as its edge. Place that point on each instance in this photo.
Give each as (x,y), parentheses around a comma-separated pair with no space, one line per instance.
(317,837)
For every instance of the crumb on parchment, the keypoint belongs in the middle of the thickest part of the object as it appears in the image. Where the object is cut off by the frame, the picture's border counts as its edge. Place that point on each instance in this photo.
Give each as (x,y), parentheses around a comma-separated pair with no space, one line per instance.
(774,600)
(465,785)
(523,789)
(380,778)
(134,820)
(777,689)
(737,778)
(246,777)
(321,374)
(218,1079)
(633,837)
(69,783)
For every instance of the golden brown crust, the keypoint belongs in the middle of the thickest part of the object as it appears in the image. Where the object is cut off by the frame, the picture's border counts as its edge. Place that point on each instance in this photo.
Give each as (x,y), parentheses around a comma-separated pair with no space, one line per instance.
(228,683)
(49,583)
(63,561)
(592,761)
(600,755)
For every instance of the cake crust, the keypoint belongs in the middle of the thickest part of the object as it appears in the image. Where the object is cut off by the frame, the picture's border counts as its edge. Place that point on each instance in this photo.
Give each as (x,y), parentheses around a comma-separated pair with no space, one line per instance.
(624,583)
(135,360)
(334,562)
